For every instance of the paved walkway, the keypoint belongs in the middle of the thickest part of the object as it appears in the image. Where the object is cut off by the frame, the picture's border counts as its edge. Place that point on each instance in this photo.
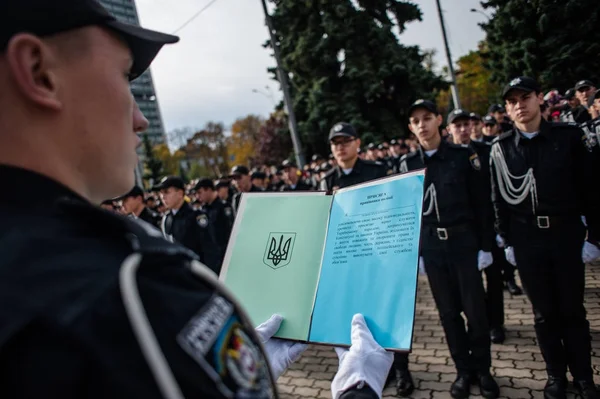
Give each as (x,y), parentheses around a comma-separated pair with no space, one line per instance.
(517,364)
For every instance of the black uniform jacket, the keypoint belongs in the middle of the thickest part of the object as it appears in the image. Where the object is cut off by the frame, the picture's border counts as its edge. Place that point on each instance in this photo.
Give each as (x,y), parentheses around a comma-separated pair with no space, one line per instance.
(363,171)
(462,200)
(64,328)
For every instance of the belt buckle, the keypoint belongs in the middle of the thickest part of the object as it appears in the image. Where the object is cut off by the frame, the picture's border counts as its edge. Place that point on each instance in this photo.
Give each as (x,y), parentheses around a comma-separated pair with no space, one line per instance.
(543,222)
(442,234)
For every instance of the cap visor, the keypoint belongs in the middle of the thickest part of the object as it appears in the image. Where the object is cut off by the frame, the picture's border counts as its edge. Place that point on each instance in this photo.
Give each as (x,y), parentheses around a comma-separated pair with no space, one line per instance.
(143,43)
(340,134)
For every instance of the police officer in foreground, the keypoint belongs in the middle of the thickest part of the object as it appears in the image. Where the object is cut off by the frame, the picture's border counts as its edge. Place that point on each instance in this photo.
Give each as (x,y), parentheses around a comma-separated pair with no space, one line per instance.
(541,189)
(133,205)
(351,170)
(455,245)
(104,307)
(460,126)
(220,216)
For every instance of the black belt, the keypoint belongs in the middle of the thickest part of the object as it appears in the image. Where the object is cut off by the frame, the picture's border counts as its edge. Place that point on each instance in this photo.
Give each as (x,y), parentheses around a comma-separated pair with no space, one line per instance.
(544,222)
(443,233)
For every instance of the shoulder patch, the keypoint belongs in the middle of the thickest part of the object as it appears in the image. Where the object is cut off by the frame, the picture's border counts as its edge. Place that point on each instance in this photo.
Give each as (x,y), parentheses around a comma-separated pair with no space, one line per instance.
(202,220)
(475,162)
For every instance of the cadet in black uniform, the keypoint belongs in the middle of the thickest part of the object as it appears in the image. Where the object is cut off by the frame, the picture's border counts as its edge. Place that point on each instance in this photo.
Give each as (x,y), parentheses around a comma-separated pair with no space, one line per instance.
(351,170)
(454,243)
(220,216)
(540,192)
(134,206)
(460,126)
(94,304)
(241,178)
(189,227)
(292,179)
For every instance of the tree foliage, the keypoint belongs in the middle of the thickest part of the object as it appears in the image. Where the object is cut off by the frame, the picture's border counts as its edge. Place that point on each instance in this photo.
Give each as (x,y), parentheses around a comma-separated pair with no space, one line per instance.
(475,87)
(153,166)
(208,149)
(557,42)
(171,161)
(274,143)
(241,145)
(345,63)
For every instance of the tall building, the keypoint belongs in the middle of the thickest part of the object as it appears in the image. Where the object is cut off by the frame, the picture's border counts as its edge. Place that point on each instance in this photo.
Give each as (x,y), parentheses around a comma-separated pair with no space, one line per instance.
(142,87)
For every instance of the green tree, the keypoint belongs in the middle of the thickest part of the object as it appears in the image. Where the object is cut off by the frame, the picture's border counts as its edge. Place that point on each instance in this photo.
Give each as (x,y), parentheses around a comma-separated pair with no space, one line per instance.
(556,42)
(153,165)
(475,87)
(346,64)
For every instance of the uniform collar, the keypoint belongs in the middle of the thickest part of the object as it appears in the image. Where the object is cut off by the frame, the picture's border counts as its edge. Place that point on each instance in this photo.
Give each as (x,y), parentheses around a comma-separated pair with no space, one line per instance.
(441,150)
(356,169)
(31,189)
(543,132)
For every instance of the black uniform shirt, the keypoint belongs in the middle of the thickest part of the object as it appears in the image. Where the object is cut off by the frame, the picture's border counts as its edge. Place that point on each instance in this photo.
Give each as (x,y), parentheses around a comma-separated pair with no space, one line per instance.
(150,217)
(220,222)
(361,172)
(301,185)
(561,168)
(455,171)
(191,228)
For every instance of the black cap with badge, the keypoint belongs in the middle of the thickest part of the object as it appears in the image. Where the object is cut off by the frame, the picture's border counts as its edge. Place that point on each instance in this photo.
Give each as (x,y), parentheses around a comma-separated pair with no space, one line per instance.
(569,94)
(49,17)
(458,114)
(204,183)
(170,181)
(239,170)
(584,83)
(496,108)
(342,129)
(425,104)
(134,192)
(474,117)
(523,83)
(489,120)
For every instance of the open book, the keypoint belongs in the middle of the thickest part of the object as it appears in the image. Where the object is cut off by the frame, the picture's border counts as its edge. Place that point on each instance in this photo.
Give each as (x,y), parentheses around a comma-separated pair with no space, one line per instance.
(317,260)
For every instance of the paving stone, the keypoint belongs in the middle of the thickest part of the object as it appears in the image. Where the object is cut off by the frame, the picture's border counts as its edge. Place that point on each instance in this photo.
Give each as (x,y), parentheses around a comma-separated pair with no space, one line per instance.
(306,392)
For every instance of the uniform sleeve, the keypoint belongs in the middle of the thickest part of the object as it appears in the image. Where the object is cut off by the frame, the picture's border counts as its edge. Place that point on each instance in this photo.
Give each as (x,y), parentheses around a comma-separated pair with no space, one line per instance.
(586,164)
(480,201)
(501,212)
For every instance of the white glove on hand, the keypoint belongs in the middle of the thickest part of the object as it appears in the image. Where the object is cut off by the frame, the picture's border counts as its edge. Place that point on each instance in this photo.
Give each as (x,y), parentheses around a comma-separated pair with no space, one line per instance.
(422,271)
(366,361)
(590,252)
(484,259)
(500,241)
(509,252)
(280,354)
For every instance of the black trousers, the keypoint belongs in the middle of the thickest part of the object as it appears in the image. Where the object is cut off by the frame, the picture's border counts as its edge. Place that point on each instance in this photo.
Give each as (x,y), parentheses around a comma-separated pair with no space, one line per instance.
(457,287)
(495,289)
(553,275)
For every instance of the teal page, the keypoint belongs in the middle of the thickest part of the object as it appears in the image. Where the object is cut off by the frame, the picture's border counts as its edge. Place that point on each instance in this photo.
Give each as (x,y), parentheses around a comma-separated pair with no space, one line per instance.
(274,255)
(370,262)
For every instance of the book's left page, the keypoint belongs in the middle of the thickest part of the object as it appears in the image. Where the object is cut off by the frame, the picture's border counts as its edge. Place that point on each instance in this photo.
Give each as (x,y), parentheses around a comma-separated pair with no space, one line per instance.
(274,255)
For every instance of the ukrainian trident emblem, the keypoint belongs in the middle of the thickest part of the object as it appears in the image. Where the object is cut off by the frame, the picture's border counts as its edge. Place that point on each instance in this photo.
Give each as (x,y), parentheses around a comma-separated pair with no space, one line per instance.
(278,252)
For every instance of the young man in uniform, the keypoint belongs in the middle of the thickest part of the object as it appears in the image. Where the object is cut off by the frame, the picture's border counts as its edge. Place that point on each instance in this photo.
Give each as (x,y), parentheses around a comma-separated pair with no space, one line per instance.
(220,216)
(133,205)
(460,126)
(351,170)
(292,178)
(182,224)
(490,128)
(242,182)
(96,305)
(540,191)
(455,245)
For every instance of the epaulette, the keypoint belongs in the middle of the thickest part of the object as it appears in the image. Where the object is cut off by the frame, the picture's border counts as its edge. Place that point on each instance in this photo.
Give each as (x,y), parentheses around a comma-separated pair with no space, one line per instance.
(409,155)
(503,136)
(458,146)
(481,144)
(563,125)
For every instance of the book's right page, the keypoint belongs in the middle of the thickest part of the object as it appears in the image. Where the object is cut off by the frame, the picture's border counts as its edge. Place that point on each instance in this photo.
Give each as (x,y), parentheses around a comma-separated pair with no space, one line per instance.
(370,262)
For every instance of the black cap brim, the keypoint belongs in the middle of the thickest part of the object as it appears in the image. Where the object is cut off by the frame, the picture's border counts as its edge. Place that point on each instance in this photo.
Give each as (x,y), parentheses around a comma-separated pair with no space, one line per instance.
(143,43)
(424,106)
(526,89)
(341,134)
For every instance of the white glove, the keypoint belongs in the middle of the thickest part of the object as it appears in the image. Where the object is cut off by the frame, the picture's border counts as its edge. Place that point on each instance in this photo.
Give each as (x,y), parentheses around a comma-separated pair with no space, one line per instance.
(590,252)
(500,241)
(280,354)
(484,259)
(422,271)
(509,252)
(366,361)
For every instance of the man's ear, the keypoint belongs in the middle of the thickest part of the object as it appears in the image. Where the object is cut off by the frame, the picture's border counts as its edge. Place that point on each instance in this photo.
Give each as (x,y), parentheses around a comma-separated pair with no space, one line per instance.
(31,64)
(541,98)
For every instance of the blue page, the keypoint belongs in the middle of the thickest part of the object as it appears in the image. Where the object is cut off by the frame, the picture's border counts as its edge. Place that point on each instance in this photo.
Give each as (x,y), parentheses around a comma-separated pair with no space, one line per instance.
(370,262)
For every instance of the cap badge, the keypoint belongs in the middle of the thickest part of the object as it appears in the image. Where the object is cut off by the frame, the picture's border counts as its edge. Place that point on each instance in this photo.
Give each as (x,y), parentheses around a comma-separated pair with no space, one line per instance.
(515,82)
(338,127)
(458,111)
(420,101)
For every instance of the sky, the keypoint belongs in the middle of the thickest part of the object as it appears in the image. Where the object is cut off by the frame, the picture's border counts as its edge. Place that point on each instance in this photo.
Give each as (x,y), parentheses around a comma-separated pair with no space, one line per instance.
(211,73)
